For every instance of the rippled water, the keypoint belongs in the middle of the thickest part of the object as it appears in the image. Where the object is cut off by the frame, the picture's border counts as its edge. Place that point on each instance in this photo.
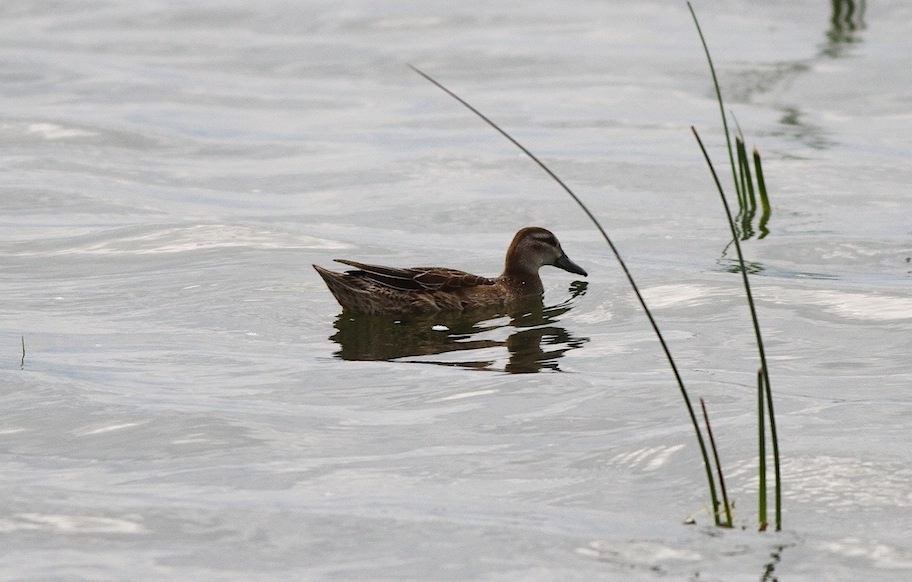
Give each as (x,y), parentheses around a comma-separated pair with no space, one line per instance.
(181,398)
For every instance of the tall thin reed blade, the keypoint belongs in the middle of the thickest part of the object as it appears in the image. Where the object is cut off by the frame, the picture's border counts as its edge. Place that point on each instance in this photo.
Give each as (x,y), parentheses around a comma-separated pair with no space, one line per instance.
(746,201)
(742,172)
(774,438)
(764,198)
(756,323)
(636,291)
(749,195)
(712,70)
(715,451)
(761,450)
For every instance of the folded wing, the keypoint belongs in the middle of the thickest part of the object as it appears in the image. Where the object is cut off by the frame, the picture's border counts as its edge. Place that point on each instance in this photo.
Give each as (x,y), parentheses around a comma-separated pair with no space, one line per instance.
(416,278)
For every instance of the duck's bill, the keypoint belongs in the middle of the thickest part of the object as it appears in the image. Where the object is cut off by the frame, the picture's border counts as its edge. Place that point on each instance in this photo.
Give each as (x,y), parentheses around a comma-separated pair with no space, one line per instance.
(566,264)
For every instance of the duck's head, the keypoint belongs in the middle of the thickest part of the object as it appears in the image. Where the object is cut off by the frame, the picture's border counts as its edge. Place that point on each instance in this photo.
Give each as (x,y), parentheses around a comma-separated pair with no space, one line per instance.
(533,247)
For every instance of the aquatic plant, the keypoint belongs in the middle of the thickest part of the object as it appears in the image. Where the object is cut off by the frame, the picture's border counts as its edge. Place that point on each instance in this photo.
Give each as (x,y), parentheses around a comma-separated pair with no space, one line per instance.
(747,199)
(726,506)
(744,187)
(741,169)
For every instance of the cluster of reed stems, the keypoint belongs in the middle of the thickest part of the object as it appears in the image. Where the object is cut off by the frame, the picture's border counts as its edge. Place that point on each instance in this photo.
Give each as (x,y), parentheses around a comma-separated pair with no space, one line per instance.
(744,186)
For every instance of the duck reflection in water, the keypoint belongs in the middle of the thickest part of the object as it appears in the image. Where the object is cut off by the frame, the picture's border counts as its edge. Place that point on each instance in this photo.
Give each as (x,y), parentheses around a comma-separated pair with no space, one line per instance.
(535,341)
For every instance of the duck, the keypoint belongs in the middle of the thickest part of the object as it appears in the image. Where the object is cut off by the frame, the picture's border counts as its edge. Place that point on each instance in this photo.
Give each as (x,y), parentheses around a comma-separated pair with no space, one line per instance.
(374,289)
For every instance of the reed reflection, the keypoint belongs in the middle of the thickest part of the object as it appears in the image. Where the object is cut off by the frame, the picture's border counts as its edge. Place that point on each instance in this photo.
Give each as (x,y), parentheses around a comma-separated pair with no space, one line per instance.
(846,21)
(536,340)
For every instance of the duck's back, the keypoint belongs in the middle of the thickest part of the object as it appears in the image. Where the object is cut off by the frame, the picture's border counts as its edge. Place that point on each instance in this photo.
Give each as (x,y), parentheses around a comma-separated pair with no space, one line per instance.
(380,289)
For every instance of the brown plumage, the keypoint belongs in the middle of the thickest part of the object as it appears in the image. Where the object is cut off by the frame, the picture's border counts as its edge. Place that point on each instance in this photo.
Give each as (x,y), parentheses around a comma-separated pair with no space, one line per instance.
(377,289)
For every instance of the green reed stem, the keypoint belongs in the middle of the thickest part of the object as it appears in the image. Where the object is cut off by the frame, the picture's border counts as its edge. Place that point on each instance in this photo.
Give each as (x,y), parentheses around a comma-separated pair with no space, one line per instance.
(742,172)
(764,199)
(774,438)
(747,201)
(761,450)
(715,451)
(712,70)
(748,179)
(617,255)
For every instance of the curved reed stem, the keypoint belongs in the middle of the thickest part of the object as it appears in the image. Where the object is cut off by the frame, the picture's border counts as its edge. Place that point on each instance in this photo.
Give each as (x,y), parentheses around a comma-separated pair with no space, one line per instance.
(617,255)
(712,70)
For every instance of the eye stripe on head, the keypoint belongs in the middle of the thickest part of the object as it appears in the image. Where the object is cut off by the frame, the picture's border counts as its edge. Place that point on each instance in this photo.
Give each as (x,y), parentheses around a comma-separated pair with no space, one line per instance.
(545,237)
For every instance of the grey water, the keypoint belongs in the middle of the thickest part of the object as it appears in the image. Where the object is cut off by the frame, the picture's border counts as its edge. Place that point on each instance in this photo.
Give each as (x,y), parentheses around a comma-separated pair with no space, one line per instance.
(180,397)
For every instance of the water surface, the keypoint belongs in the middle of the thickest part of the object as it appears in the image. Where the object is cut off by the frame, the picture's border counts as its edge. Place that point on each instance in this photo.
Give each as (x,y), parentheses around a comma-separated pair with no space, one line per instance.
(187,408)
